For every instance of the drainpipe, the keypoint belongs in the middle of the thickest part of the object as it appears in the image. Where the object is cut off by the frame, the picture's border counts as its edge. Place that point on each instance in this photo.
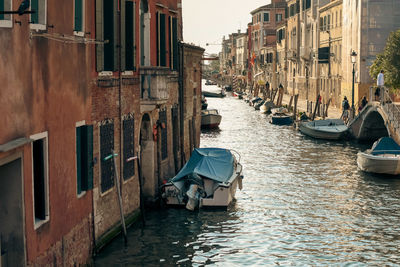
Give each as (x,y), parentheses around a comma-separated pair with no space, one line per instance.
(119,95)
(181,98)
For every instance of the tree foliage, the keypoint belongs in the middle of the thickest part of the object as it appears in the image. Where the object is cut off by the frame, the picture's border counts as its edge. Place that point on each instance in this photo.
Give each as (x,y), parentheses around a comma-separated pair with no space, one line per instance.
(389,61)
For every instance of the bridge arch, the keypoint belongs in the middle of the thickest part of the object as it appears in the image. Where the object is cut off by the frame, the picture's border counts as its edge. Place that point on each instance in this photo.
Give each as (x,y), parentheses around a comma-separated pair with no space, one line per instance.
(370,124)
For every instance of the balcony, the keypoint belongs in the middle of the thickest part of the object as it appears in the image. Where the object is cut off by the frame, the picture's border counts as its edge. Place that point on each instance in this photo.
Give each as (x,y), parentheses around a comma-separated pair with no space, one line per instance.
(154,84)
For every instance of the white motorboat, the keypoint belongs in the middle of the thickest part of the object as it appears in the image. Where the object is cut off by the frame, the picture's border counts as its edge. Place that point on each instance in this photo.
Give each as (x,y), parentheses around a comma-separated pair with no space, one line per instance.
(210,118)
(209,179)
(331,129)
(383,157)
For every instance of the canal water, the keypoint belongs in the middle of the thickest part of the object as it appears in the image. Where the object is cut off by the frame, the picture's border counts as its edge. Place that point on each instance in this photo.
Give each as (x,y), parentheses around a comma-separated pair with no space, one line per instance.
(304,202)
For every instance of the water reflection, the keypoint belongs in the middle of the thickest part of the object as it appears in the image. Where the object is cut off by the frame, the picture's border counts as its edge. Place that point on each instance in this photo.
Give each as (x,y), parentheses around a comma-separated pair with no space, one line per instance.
(304,202)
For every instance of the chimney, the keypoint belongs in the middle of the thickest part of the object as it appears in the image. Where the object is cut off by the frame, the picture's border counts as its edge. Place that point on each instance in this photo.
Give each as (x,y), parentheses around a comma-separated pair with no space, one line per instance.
(239,31)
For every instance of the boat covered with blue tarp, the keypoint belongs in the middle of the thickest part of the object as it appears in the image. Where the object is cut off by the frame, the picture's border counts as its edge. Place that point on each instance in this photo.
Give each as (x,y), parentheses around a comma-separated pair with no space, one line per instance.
(209,178)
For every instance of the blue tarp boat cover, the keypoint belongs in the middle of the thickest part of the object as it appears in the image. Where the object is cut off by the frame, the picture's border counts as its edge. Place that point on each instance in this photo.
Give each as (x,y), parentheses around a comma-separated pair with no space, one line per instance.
(385,145)
(212,163)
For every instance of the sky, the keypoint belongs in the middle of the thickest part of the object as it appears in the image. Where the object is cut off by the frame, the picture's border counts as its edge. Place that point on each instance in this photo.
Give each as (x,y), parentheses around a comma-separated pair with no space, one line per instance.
(207,21)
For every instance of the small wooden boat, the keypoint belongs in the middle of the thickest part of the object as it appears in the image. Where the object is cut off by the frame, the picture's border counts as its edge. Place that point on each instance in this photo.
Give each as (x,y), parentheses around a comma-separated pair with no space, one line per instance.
(383,157)
(331,129)
(210,118)
(266,107)
(281,119)
(214,93)
(210,178)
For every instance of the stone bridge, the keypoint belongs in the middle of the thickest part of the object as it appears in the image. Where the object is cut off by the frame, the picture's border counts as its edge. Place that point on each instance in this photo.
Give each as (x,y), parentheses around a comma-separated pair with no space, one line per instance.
(377,120)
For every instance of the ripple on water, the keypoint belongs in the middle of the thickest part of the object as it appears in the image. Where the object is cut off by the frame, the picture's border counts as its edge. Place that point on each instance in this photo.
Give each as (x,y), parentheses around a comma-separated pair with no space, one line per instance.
(303,203)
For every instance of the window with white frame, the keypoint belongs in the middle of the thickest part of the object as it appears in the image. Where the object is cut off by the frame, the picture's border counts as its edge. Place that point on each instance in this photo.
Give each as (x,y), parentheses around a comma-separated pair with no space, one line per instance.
(79,17)
(39,18)
(266,17)
(5,19)
(40,177)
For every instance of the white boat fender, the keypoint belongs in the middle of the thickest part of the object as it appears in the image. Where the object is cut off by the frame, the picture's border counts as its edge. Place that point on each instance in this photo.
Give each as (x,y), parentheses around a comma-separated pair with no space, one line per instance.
(193,197)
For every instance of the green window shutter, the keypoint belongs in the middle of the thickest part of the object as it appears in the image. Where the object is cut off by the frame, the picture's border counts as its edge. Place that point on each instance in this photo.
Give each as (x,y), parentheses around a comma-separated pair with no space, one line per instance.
(175,42)
(123,35)
(170,41)
(2,9)
(78,16)
(129,36)
(79,159)
(88,157)
(158,37)
(163,41)
(35,7)
(99,36)
(108,24)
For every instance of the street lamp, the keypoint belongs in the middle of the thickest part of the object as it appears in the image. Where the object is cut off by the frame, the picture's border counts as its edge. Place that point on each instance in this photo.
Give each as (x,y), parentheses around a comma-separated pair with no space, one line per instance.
(353,56)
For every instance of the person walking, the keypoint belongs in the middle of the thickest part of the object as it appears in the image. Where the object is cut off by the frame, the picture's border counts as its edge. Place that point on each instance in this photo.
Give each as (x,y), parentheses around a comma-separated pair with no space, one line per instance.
(380,83)
(364,102)
(345,108)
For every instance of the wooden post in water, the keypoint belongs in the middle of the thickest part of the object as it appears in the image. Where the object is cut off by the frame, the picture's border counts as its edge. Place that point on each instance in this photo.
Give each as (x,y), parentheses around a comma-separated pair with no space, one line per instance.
(296,98)
(117,184)
(327,106)
(316,107)
(140,188)
(290,102)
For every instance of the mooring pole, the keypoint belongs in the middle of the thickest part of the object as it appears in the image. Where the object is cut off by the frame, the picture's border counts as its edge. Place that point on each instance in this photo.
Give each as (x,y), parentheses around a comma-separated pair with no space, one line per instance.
(116,179)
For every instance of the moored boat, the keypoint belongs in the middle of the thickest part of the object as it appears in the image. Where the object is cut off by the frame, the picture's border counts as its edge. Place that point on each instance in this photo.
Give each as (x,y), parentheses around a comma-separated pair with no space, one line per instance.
(266,107)
(210,118)
(214,93)
(331,129)
(209,179)
(281,119)
(383,157)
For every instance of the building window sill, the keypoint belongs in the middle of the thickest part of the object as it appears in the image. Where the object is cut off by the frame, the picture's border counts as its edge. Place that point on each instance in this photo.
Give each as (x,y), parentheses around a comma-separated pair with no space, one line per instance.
(39,223)
(6,24)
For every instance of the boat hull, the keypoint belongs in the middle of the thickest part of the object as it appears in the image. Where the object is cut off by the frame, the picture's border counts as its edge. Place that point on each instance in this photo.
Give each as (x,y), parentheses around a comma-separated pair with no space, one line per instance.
(324,129)
(281,120)
(223,193)
(384,163)
(210,120)
(213,94)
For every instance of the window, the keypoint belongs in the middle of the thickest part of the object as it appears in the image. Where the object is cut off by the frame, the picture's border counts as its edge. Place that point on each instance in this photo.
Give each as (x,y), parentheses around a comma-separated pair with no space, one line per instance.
(5,19)
(307,4)
(39,18)
(329,22)
(79,17)
(40,179)
(129,147)
(161,40)
(84,158)
(278,17)
(106,149)
(266,17)
(164,136)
